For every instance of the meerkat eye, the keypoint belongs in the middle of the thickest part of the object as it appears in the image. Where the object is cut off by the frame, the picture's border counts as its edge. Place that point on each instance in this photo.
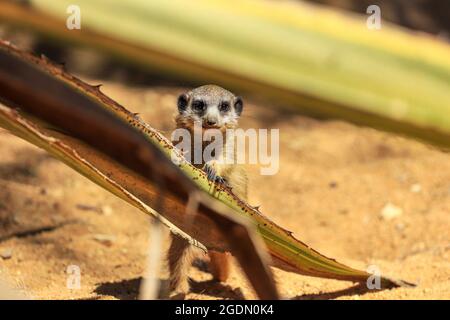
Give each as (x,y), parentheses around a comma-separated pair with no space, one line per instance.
(198,105)
(224,106)
(238,105)
(182,102)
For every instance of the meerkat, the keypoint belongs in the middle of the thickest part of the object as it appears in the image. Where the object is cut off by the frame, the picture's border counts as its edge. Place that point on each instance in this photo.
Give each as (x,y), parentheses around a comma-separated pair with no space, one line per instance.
(208,107)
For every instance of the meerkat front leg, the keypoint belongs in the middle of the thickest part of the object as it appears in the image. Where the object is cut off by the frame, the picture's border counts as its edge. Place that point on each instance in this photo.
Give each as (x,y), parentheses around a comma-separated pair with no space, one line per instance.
(219,261)
(180,257)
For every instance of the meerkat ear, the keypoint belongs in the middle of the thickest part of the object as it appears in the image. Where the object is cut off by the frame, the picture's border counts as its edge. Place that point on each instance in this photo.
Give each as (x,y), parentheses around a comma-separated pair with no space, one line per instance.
(183,102)
(238,105)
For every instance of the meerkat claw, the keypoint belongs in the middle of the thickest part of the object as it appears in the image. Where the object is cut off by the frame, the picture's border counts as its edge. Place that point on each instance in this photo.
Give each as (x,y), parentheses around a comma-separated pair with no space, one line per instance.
(223,182)
(211,174)
(220,180)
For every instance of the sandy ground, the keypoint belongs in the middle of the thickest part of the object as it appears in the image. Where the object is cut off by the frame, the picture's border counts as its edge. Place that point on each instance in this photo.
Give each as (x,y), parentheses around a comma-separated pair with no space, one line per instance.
(334,181)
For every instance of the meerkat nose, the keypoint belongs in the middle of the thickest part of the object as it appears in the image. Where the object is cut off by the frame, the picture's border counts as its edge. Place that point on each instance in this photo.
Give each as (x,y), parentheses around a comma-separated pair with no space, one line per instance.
(211,122)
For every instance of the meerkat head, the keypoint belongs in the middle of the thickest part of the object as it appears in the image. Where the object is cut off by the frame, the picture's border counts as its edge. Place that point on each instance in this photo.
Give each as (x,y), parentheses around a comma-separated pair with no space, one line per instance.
(209,106)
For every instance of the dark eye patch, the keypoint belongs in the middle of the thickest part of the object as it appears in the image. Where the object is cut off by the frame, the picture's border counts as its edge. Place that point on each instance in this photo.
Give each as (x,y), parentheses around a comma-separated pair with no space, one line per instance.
(224,106)
(238,105)
(182,102)
(198,105)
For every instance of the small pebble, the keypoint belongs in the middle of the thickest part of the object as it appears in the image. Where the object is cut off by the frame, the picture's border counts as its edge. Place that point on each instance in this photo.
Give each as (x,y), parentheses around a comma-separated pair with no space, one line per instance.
(333,184)
(6,253)
(105,239)
(391,211)
(416,188)
(86,207)
(56,192)
(107,210)
(400,226)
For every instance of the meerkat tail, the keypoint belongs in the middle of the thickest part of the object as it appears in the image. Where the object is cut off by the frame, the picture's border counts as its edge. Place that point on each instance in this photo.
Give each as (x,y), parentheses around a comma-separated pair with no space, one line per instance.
(180,257)
(219,265)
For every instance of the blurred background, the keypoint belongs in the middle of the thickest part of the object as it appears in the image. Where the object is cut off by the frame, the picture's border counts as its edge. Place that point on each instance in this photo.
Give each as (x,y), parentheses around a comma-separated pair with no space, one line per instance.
(424,15)
(363,113)
(333,60)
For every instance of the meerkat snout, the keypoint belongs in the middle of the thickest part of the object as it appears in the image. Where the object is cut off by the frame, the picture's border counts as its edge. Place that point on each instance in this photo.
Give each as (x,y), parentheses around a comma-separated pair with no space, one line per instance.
(211,122)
